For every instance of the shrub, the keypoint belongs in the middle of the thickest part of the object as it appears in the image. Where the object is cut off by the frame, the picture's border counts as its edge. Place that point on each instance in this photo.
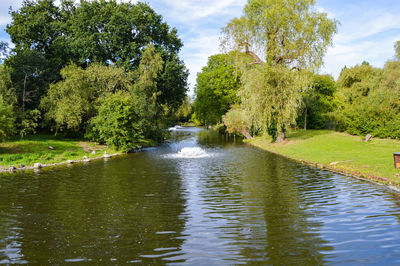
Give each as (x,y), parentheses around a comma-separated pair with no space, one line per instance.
(116,123)
(7,119)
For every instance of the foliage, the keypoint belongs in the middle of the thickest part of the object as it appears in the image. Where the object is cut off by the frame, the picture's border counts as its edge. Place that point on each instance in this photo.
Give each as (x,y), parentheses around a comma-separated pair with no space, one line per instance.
(290,32)
(85,100)
(50,36)
(172,83)
(272,96)
(145,94)
(30,123)
(125,118)
(27,69)
(293,37)
(355,87)
(184,111)
(71,103)
(318,102)
(7,90)
(93,31)
(7,118)
(237,120)
(370,100)
(117,123)
(216,88)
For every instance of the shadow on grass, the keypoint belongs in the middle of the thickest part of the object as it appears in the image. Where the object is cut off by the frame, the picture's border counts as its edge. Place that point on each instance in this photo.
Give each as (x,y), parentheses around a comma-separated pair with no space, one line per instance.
(306,134)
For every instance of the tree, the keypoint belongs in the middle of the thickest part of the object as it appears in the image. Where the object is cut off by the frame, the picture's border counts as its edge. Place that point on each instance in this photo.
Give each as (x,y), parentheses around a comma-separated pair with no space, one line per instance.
(318,102)
(92,31)
(108,32)
(145,94)
(292,37)
(69,103)
(237,120)
(126,118)
(26,69)
(172,83)
(184,111)
(72,102)
(216,88)
(7,119)
(117,123)
(369,101)
(7,90)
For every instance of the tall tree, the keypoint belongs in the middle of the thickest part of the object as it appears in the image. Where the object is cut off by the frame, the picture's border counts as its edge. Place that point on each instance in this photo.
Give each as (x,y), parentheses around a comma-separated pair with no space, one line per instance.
(216,88)
(109,32)
(31,75)
(92,31)
(318,102)
(286,39)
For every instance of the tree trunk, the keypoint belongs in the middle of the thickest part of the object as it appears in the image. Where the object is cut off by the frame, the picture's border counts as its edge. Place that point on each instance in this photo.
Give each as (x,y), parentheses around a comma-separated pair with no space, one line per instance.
(246,134)
(305,119)
(257,60)
(281,138)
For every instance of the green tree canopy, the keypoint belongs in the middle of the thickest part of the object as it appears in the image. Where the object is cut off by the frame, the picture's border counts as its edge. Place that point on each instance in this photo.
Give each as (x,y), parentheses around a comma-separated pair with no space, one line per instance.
(369,99)
(216,88)
(108,32)
(289,32)
(286,40)
(71,103)
(318,102)
(126,118)
(92,31)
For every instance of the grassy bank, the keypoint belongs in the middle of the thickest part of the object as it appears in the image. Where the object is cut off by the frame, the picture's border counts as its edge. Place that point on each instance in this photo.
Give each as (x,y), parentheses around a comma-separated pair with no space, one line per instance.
(340,152)
(47,149)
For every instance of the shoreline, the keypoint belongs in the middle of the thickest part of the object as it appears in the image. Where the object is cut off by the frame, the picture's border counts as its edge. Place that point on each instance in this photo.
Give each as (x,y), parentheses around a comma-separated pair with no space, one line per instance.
(333,167)
(12,169)
(68,162)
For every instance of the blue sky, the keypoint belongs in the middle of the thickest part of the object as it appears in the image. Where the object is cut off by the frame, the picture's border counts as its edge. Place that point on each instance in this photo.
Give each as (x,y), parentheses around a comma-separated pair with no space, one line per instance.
(367,31)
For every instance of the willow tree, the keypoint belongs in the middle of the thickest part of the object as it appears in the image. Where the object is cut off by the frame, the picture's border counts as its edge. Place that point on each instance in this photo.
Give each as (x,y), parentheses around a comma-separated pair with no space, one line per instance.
(287,40)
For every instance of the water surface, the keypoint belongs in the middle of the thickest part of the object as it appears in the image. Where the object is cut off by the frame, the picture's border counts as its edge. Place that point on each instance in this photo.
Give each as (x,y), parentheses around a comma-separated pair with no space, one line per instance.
(202,199)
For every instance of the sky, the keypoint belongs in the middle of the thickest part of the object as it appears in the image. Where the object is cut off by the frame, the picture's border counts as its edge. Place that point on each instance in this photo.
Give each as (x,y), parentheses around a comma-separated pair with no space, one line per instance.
(367,32)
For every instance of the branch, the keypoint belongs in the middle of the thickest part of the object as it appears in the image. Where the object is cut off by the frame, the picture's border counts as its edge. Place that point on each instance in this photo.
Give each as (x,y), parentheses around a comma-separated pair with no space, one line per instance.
(257,60)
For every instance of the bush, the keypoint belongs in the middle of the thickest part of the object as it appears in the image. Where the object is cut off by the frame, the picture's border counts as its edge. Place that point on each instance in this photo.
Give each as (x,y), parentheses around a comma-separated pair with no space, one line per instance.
(116,123)
(7,119)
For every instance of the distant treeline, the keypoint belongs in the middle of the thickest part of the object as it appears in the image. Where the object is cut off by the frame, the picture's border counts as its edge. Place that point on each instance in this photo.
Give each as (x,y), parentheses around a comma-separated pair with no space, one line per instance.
(105,70)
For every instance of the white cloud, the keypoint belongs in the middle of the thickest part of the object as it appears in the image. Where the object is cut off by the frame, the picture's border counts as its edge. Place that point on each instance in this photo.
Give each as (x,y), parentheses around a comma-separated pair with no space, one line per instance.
(192,10)
(5,18)
(364,35)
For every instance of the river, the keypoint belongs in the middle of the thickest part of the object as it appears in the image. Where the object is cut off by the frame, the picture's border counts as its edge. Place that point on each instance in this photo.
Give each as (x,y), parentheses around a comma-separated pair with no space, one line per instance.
(199,199)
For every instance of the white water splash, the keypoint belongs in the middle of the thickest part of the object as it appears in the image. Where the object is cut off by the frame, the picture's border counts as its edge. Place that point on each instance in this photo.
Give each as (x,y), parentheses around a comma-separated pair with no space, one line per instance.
(175,128)
(191,152)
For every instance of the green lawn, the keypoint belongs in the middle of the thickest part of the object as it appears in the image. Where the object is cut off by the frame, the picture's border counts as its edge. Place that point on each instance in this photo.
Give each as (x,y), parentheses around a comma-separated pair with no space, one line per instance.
(35,149)
(338,151)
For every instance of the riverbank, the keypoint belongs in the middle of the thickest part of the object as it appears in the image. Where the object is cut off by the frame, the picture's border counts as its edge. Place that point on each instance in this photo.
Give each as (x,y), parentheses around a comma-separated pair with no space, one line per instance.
(339,152)
(47,150)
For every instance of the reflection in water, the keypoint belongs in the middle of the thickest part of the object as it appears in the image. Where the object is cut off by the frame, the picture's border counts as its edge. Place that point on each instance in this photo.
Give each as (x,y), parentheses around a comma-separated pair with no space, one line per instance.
(114,211)
(203,198)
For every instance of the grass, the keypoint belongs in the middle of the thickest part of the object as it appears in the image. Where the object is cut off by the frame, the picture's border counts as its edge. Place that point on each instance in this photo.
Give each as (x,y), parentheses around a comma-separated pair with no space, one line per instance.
(339,151)
(35,149)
